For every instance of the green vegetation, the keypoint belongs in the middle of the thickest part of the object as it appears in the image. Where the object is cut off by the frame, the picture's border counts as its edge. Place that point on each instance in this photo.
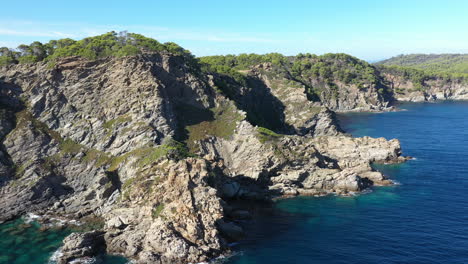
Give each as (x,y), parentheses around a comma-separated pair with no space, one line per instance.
(70,146)
(328,69)
(110,125)
(24,118)
(119,120)
(266,135)
(170,149)
(419,68)
(431,63)
(19,170)
(109,44)
(157,211)
(420,77)
(333,67)
(233,65)
(219,121)
(66,146)
(99,157)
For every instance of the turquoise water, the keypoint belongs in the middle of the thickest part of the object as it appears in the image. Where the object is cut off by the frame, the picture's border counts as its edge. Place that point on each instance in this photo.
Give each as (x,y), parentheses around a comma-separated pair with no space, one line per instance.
(28,243)
(422,220)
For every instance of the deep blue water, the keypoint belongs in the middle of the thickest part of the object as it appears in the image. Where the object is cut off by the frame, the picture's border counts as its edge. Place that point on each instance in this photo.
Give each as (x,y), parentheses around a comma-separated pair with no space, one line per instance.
(423,220)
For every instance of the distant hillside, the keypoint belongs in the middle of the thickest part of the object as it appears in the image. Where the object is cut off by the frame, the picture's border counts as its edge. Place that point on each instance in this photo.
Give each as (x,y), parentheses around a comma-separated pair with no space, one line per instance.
(437,63)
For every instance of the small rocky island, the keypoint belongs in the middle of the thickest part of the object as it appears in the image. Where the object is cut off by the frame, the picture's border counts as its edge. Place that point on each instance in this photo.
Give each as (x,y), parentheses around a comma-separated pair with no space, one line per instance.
(157,144)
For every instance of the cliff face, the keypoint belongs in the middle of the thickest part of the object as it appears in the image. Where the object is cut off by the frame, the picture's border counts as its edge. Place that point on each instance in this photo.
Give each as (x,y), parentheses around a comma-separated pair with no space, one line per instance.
(433,89)
(279,104)
(291,165)
(301,86)
(96,138)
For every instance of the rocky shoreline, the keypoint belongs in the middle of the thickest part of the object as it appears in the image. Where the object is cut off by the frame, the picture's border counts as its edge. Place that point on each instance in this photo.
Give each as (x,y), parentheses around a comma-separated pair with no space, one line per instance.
(436,89)
(97,139)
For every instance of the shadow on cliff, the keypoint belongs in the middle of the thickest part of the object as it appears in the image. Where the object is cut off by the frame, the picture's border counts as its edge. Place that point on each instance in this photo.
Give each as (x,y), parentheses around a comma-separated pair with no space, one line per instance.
(50,185)
(188,115)
(9,105)
(264,221)
(255,98)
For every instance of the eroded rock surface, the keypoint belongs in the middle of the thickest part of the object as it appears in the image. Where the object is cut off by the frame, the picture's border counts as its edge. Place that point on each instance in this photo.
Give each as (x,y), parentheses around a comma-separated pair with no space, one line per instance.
(294,165)
(96,139)
(434,89)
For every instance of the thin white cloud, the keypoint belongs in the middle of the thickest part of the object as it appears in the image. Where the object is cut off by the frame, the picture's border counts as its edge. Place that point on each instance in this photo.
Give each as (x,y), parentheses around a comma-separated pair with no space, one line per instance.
(9,44)
(33,33)
(33,29)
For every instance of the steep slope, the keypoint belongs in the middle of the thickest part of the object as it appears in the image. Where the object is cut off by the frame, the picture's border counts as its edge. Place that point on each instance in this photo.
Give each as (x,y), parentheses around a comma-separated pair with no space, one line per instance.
(426,77)
(337,81)
(96,138)
(437,63)
(413,85)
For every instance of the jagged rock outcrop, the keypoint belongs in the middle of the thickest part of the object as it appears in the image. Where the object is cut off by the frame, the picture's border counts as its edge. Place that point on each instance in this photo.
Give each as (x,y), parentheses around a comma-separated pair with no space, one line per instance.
(294,165)
(279,104)
(96,138)
(168,213)
(113,105)
(337,81)
(81,247)
(434,89)
(79,113)
(302,115)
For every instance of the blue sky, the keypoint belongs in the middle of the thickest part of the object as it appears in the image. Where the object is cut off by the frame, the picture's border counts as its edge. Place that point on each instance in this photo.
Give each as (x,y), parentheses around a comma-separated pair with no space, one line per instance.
(368,29)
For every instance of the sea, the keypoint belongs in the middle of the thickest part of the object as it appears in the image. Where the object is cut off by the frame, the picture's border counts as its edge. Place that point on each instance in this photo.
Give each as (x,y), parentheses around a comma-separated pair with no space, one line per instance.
(421,219)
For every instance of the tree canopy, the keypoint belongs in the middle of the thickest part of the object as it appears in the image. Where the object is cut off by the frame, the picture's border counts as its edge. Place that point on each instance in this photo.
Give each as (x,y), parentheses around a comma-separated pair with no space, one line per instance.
(328,67)
(419,68)
(437,63)
(108,44)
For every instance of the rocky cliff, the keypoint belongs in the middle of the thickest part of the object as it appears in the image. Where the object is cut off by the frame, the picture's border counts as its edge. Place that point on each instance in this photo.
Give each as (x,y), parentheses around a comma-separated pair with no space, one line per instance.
(435,88)
(154,148)
(336,81)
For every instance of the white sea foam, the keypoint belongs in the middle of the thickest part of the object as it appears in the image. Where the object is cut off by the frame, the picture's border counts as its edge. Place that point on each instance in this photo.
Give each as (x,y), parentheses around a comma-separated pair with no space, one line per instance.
(395,182)
(57,254)
(62,222)
(83,261)
(218,260)
(49,221)
(30,217)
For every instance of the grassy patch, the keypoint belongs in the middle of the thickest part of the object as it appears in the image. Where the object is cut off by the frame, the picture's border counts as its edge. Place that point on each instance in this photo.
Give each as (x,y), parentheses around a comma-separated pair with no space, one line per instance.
(266,135)
(19,170)
(66,146)
(170,149)
(111,124)
(70,147)
(157,211)
(50,161)
(99,157)
(119,120)
(116,161)
(152,155)
(24,117)
(223,125)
